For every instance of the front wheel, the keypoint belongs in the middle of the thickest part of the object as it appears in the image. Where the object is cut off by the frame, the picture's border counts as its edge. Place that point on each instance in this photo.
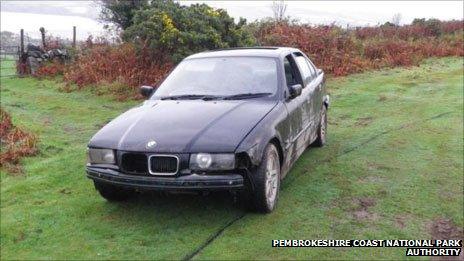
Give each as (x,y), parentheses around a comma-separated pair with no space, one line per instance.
(267,181)
(322,129)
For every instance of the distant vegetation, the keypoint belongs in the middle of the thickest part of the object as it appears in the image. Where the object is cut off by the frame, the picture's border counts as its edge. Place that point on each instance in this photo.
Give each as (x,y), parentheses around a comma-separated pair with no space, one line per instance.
(8,38)
(344,51)
(158,34)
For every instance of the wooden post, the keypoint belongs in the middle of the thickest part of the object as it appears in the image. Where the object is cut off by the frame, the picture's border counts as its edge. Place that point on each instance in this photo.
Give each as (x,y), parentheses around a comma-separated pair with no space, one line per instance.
(21,44)
(42,32)
(74,37)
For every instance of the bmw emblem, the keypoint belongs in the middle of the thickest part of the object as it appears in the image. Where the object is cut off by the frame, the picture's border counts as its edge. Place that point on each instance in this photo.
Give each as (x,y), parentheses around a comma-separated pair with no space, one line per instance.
(151,144)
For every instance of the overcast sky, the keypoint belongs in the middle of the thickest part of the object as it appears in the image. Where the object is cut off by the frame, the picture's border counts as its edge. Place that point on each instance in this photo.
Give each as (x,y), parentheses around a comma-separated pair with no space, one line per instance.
(58,17)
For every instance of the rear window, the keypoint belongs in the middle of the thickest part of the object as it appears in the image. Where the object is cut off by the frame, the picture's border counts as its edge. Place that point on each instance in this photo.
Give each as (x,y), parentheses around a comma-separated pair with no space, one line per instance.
(304,68)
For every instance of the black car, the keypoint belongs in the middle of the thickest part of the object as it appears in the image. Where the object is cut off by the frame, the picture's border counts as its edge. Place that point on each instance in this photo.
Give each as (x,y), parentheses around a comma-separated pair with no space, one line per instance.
(234,119)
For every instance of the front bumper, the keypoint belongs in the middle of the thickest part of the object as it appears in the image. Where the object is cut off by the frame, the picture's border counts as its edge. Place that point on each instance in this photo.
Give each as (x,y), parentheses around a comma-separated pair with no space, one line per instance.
(187,182)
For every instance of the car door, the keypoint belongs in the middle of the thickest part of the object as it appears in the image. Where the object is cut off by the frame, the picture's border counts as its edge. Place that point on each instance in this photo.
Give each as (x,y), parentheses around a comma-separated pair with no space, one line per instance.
(319,90)
(294,109)
(309,119)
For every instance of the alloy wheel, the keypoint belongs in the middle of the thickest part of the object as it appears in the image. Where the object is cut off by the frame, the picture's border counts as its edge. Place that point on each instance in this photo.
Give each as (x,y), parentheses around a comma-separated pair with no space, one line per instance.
(272,179)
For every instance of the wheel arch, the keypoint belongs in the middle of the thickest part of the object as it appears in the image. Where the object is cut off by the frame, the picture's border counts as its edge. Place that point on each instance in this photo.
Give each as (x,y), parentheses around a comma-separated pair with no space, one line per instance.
(276,142)
(267,130)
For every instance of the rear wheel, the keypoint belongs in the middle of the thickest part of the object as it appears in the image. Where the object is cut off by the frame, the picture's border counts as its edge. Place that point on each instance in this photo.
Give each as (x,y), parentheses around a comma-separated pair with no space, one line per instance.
(113,193)
(267,181)
(322,130)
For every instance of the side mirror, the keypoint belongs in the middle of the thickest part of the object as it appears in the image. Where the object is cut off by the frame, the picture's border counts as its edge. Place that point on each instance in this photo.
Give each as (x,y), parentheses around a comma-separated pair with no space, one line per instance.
(319,71)
(295,90)
(146,90)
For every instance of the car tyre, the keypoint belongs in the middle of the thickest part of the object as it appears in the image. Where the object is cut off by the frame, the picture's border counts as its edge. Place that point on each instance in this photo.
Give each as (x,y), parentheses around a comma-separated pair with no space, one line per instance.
(322,129)
(113,193)
(267,181)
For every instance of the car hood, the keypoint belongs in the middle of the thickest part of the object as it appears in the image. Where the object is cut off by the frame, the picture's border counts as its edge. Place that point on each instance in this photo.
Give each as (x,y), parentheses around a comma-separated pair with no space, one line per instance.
(183,126)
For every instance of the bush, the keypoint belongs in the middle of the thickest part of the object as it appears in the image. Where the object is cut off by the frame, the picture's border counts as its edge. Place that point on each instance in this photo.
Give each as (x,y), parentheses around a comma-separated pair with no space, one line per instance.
(343,51)
(50,69)
(123,64)
(156,37)
(121,68)
(15,143)
(171,31)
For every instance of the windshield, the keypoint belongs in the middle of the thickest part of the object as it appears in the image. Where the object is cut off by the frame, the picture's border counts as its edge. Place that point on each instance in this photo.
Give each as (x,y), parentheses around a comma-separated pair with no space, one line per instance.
(221,76)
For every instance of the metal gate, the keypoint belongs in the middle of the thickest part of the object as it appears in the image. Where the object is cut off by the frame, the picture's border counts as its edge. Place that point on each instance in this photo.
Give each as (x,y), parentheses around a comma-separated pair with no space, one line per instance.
(9,56)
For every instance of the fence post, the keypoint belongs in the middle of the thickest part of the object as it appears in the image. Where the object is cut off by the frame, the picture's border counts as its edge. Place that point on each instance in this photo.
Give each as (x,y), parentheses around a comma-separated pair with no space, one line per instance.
(21,42)
(74,37)
(42,32)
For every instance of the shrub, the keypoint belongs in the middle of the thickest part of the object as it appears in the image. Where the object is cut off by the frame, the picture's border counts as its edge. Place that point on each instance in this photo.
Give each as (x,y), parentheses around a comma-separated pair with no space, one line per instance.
(343,51)
(338,51)
(50,69)
(123,64)
(15,143)
(171,31)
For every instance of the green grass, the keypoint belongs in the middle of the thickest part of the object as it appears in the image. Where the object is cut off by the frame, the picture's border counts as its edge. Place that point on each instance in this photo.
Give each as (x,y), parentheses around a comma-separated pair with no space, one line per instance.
(7,66)
(395,140)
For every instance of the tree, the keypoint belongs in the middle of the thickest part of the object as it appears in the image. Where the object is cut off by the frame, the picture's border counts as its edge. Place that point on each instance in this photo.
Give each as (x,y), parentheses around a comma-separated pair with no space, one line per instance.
(121,12)
(278,9)
(174,31)
(396,19)
(432,25)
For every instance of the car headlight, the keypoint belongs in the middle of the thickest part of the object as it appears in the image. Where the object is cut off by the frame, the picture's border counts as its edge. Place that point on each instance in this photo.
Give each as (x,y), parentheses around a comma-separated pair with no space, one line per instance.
(100,156)
(206,161)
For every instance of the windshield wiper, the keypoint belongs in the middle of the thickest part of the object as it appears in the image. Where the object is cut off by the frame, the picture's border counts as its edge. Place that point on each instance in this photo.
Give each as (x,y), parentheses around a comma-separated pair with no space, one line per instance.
(214,97)
(246,95)
(188,96)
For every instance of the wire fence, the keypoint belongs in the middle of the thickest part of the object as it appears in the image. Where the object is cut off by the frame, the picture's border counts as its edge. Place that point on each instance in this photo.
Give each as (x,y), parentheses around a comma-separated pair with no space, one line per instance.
(9,56)
(15,59)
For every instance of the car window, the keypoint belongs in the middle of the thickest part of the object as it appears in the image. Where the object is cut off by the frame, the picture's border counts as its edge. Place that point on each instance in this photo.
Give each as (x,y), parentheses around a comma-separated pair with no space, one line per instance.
(312,68)
(221,76)
(306,73)
(289,74)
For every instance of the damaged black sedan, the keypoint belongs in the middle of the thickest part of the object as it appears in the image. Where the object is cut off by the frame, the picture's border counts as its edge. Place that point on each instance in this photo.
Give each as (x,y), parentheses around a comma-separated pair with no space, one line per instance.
(233,120)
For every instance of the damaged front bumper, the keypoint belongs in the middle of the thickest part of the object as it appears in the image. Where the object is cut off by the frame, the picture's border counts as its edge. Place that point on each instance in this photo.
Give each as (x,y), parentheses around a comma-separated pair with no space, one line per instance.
(220,181)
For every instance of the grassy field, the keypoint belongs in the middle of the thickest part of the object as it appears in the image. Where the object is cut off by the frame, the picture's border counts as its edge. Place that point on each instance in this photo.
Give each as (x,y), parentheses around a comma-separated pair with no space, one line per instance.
(7,66)
(392,169)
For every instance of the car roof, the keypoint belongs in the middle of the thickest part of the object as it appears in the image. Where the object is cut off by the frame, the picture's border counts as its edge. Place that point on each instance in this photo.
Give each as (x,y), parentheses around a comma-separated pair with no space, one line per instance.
(265,51)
